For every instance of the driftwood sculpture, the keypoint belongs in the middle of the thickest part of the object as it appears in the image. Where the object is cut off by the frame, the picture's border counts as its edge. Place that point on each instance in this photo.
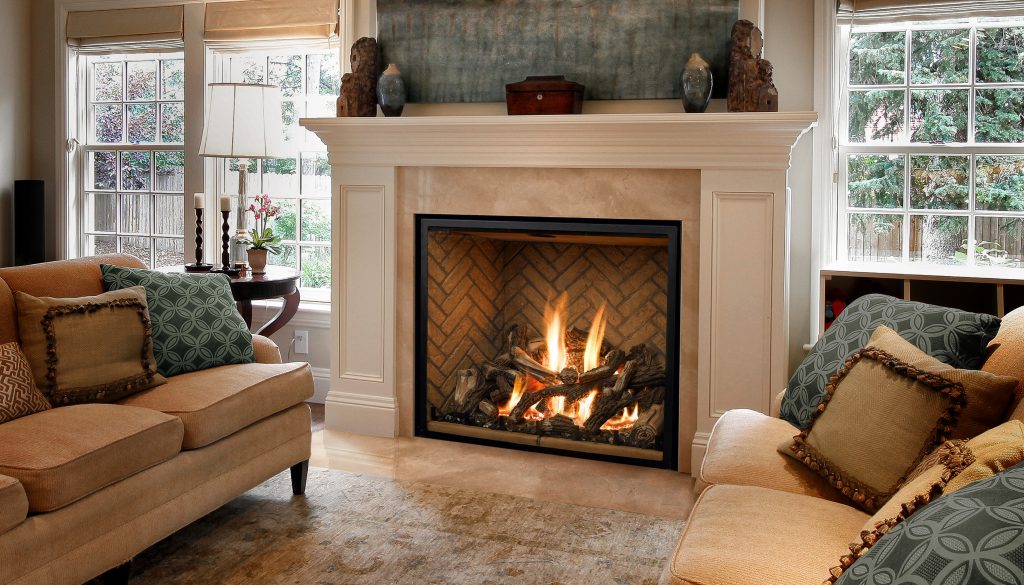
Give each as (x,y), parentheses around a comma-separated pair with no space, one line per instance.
(750,77)
(359,89)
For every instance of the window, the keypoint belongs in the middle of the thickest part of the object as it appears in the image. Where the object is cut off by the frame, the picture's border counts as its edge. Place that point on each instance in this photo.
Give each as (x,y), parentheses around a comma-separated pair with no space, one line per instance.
(932,144)
(310,83)
(131,196)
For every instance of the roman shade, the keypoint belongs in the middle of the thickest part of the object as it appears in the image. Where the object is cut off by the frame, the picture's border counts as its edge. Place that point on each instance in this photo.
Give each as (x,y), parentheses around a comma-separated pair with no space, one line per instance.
(159,27)
(884,11)
(253,20)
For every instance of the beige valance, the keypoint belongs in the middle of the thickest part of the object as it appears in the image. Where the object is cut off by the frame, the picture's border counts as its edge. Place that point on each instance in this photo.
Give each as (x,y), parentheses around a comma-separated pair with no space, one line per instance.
(885,11)
(160,25)
(252,20)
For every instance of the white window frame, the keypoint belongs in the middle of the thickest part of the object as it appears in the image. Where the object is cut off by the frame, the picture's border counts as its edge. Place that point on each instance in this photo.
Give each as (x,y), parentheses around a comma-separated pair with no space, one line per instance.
(908,149)
(80,112)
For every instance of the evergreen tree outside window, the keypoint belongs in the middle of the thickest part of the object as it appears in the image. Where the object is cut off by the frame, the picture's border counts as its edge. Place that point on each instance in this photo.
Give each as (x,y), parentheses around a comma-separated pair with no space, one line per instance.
(932,144)
(133,175)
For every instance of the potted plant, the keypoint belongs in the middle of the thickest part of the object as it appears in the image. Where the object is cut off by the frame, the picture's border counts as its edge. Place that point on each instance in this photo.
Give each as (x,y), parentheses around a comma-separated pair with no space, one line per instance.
(261,238)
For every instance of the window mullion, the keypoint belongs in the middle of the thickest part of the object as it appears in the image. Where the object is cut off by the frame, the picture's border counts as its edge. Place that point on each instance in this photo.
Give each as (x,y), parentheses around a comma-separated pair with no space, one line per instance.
(907,121)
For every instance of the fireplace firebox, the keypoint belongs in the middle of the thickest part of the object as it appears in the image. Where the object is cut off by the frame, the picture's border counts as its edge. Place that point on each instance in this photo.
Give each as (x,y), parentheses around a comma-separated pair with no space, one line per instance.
(549,334)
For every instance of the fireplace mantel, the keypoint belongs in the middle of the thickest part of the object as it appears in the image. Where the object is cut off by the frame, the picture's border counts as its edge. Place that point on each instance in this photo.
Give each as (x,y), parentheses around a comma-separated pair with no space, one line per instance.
(738,141)
(739,319)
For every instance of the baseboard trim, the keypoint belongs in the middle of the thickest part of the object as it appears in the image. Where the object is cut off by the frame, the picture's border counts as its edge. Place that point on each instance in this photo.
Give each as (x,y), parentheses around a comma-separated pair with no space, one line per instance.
(361,413)
(698,449)
(321,385)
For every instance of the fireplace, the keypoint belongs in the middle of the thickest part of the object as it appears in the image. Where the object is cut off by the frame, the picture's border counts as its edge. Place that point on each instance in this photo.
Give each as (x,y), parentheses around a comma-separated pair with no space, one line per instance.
(557,335)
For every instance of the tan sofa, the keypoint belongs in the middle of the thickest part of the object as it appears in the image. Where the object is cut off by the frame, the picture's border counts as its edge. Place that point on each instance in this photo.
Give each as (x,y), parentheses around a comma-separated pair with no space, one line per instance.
(763,518)
(85,488)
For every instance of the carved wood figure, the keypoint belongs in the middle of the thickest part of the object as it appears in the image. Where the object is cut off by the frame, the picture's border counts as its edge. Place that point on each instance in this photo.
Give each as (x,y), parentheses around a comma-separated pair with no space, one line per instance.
(750,77)
(359,89)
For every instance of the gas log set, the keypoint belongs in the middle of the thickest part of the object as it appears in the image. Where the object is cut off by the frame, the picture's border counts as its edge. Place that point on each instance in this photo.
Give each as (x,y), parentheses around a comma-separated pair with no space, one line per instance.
(571,384)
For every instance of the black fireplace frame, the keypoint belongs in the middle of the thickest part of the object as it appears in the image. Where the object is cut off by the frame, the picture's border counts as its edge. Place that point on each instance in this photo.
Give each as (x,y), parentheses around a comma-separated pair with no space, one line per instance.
(670,229)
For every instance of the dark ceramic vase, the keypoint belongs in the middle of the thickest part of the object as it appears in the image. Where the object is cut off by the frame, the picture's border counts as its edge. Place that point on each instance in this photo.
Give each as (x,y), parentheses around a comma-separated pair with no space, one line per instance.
(695,83)
(391,92)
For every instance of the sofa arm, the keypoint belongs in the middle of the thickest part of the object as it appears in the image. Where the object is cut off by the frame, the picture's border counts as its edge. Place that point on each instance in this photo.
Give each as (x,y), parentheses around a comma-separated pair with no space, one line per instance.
(776,408)
(266,350)
(13,503)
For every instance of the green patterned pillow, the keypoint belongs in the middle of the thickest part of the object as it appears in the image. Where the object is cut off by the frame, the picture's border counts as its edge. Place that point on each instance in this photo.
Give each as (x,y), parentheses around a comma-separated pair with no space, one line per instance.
(974,536)
(952,336)
(195,322)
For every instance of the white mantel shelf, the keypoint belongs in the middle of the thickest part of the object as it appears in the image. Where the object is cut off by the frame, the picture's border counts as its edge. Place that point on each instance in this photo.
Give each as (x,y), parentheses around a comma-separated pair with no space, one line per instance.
(718,141)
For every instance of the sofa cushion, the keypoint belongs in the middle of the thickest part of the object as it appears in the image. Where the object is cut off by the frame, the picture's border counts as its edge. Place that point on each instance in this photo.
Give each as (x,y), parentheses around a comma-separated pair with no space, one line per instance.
(88,349)
(743,450)
(954,337)
(971,536)
(67,453)
(1006,354)
(195,322)
(13,503)
(18,393)
(216,402)
(739,535)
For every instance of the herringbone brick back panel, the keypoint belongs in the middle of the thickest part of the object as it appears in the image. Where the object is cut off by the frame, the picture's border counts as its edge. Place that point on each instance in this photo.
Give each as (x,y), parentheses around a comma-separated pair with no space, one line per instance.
(478,287)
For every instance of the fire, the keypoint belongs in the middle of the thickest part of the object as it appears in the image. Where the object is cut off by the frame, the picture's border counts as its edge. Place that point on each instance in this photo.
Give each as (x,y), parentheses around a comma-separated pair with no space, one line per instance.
(554,324)
(518,390)
(583,407)
(624,421)
(592,353)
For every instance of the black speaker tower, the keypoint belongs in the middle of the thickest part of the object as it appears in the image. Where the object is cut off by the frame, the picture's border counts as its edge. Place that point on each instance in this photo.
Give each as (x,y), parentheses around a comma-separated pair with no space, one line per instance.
(29,226)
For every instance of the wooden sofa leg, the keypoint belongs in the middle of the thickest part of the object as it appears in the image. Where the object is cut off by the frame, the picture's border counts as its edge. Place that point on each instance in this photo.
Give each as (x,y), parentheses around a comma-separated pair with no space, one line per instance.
(119,575)
(299,471)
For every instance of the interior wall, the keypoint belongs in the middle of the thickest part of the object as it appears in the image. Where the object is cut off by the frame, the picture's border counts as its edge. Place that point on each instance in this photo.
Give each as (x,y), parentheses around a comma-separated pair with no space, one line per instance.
(15,107)
(43,141)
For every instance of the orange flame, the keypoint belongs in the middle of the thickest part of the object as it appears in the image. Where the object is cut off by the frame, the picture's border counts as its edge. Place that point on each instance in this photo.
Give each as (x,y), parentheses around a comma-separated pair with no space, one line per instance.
(583,408)
(592,353)
(624,421)
(554,326)
(518,388)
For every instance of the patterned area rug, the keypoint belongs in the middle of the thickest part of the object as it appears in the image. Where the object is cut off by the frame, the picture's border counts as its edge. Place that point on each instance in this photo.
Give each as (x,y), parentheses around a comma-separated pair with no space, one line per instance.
(353,529)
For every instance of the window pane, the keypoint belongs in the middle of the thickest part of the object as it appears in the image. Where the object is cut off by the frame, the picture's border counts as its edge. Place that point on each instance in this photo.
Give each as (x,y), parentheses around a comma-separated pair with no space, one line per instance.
(172,79)
(96,245)
(286,72)
(107,79)
(316,220)
(103,165)
(291,111)
(940,56)
(285,258)
(101,212)
(999,117)
(1000,241)
(279,176)
(168,215)
(141,123)
(938,239)
(1000,55)
(284,223)
(107,124)
(939,182)
(135,213)
(875,180)
(141,80)
(138,247)
(248,70)
(876,115)
(875,238)
(878,58)
(169,251)
(322,77)
(316,267)
(316,174)
(999,183)
(170,170)
(135,171)
(172,123)
(938,115)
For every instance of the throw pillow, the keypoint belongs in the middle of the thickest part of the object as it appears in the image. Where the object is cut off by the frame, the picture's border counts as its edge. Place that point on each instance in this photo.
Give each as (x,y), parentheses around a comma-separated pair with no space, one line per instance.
(969,537)
(955,337)
(880,418)
(88,349)
(195,322)
(18,393)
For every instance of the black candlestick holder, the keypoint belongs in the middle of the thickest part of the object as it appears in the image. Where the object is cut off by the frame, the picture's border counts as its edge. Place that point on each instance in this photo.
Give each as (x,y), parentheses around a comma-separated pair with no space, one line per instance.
(225,254)
(200,265)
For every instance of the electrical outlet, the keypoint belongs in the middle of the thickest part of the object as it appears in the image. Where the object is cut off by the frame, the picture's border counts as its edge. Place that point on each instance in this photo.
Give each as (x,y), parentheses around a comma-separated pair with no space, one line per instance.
(301,341)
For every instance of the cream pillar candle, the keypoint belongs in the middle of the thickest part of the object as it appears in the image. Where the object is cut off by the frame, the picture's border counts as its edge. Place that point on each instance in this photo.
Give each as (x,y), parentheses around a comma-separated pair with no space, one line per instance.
(225,203)
(200,200)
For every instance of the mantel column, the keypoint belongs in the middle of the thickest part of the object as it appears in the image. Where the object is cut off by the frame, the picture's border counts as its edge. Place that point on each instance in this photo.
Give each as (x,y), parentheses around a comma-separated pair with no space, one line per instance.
(362,395)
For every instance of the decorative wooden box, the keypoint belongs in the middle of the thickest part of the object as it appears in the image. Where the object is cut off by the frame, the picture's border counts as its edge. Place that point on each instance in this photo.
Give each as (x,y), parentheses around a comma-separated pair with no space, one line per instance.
(546,94)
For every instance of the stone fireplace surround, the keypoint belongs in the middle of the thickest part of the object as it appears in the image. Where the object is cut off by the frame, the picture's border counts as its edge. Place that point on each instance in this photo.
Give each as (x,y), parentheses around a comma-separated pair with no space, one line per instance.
(722,175)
